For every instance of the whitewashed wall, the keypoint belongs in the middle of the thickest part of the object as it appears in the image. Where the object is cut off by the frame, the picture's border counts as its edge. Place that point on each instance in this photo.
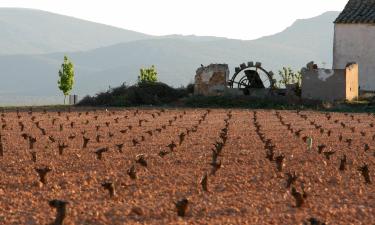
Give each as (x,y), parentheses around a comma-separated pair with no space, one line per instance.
(356,43)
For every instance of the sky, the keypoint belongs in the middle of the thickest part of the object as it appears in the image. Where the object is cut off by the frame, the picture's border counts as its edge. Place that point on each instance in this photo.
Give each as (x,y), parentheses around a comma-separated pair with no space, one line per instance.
(238,19)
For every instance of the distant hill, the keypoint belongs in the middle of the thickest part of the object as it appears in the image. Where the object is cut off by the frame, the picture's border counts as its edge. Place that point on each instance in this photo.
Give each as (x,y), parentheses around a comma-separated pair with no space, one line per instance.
(28,31)
(176,58)
(314,35)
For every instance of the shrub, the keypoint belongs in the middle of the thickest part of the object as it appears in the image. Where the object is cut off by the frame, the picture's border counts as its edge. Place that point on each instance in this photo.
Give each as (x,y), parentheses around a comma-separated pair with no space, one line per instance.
(288,76)
(148,75)
(190,88)
(145,93)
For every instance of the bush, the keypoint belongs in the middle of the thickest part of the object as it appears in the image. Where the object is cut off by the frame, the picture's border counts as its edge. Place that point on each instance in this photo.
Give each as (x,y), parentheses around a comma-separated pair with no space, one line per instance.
(288,76)
(148,75)
(190,88)
(87,100)
(145,93)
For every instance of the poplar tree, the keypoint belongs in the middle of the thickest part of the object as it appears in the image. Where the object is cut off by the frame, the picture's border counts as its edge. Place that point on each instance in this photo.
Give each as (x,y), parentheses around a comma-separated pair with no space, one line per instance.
(66,77)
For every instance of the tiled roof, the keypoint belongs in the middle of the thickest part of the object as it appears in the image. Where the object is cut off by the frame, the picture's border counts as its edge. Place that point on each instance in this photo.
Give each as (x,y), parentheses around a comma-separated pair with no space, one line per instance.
(358,11)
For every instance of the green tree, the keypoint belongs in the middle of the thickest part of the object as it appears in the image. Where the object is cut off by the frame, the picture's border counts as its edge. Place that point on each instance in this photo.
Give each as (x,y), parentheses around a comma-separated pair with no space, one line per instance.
(66,77)
(288,76)
(148,75)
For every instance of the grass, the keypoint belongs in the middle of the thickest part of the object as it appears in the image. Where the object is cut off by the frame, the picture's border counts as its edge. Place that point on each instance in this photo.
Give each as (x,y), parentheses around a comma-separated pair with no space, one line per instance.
(239,102)
(275,103)
(36,108)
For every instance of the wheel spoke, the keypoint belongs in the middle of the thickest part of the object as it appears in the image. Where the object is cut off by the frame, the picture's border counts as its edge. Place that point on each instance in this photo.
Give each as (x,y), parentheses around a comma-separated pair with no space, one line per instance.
(235,82)
(264,81)
(242,83)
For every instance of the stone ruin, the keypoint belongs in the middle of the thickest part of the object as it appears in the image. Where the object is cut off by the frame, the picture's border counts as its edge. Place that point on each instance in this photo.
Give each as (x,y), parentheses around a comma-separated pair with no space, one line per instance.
(214,80)
(330,85)
(317,83)
(211,80)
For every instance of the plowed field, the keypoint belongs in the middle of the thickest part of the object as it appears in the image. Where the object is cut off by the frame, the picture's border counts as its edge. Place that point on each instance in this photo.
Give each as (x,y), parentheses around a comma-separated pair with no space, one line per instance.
(187,167)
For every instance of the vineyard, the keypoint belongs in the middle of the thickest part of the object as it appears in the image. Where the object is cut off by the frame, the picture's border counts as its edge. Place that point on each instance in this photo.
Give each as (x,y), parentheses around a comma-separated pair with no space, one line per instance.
(187,166)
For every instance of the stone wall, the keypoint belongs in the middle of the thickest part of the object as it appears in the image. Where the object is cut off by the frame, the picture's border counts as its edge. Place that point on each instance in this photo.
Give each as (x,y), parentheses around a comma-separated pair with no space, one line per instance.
(328,84)
(211,80)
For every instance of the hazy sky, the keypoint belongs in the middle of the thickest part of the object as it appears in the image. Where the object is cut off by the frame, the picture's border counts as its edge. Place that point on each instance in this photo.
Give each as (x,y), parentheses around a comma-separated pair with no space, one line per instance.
(242,19)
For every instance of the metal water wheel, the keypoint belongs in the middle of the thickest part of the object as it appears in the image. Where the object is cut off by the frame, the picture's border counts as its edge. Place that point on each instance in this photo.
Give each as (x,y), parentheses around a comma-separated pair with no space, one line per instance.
(249,76)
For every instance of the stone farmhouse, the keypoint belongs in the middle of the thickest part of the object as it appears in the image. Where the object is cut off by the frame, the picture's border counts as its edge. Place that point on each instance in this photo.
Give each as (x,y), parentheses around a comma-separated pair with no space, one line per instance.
(354,40)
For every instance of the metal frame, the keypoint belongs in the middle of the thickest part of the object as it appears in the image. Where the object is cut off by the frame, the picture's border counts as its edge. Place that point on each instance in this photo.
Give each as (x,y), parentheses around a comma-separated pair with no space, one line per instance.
(243,83)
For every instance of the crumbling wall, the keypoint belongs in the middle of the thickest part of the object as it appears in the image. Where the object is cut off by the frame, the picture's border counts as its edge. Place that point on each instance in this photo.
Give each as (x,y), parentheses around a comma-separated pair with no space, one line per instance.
(328,84)
(211,80)
(352,81)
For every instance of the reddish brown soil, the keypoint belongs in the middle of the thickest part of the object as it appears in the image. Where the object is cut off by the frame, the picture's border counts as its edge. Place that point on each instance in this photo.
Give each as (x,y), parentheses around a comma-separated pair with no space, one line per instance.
(247,189)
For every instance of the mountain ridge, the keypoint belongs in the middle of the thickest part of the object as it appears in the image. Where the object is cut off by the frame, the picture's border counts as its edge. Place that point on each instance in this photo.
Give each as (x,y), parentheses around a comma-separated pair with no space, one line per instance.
(32,31)
(176,58)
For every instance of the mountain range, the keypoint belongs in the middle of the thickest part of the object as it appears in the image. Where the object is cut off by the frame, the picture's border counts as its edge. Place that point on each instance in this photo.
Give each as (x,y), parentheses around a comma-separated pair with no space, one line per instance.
(33,43)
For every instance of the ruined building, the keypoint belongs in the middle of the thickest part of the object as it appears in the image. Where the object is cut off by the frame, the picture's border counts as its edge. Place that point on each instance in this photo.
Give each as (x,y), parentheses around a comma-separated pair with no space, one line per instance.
(211,80)
(249,79)
(354,40)
(330,84)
